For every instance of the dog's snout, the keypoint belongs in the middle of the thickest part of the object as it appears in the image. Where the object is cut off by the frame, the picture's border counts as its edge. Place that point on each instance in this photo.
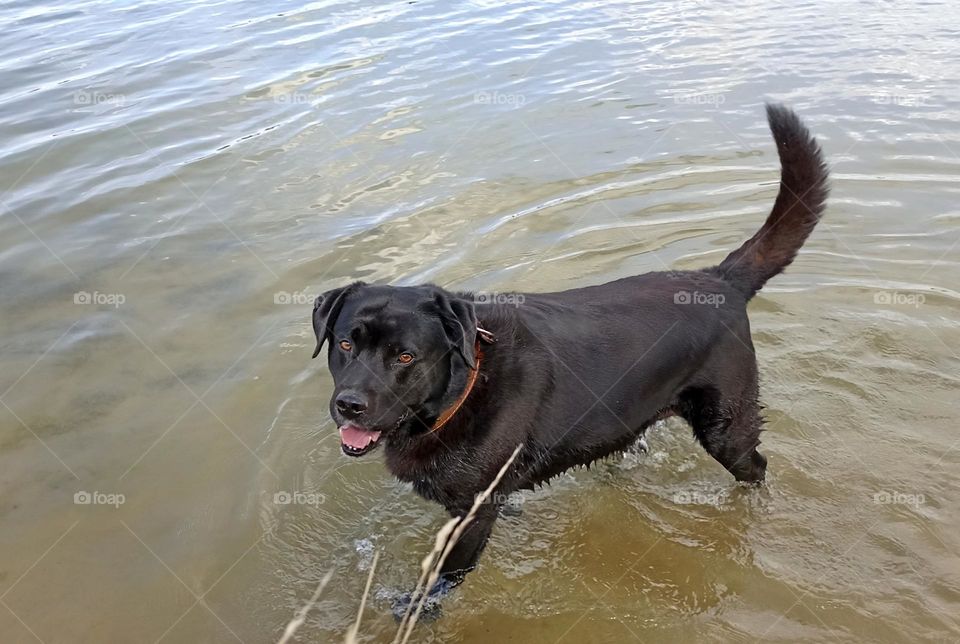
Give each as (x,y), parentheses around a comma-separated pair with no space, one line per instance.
(351,404)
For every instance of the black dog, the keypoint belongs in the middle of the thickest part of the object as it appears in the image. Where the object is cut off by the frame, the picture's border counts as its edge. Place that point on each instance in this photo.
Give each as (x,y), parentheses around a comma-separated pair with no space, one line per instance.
(452,386)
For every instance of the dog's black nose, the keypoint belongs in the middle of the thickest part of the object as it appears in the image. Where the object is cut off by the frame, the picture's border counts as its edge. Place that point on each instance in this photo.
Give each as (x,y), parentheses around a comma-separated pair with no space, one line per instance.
(351,404)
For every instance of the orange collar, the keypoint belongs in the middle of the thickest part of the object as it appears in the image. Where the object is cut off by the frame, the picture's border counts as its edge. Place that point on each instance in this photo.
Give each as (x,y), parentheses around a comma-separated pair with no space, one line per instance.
(449,412)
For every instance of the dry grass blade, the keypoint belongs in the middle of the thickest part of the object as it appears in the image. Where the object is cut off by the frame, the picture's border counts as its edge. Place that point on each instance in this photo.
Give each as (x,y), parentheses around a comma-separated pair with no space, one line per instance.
(297,621)
(355,629)
(436,562)
(425,567)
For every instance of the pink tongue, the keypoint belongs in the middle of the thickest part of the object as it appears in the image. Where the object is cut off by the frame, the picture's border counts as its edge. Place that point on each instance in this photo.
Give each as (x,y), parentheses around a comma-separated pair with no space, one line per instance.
(357,438)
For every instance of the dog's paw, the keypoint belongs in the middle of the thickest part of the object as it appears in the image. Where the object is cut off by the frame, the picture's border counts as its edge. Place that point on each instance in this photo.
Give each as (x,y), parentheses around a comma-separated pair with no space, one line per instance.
(431,606)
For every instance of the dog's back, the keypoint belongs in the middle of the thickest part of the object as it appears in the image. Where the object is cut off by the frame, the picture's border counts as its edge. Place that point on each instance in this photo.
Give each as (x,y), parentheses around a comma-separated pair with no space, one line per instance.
(618,356)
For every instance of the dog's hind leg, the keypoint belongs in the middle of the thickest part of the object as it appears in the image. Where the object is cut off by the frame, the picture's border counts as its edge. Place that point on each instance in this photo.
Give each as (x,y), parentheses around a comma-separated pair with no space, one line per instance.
(729,429)
(738,451)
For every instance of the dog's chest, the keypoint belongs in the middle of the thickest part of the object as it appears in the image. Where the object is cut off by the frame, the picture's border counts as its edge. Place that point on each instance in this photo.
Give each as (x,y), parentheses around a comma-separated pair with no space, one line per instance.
(453,489)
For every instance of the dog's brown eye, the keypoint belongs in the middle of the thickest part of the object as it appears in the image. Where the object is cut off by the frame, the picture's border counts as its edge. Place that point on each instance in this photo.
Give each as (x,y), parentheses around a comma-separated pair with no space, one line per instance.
(405,358)
(345,345)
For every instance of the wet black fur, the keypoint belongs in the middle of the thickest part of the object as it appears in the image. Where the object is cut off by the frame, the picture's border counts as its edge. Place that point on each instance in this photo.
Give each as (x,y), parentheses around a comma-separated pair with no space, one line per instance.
(575,375)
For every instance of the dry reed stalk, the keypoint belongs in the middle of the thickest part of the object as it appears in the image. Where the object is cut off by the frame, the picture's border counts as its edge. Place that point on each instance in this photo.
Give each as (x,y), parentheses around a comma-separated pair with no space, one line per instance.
(434,561)
(426,566)
(351,637)
(301,616)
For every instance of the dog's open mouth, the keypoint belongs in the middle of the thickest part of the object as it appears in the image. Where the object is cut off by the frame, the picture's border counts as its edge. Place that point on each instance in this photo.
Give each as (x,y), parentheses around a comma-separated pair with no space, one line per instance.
(356,441)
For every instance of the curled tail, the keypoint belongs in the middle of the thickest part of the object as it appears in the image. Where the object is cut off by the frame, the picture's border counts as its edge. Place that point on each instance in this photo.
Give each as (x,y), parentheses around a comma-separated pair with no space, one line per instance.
(799,205)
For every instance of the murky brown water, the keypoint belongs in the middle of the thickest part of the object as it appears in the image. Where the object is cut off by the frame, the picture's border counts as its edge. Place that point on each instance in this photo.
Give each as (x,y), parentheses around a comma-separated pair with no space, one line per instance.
(179,178)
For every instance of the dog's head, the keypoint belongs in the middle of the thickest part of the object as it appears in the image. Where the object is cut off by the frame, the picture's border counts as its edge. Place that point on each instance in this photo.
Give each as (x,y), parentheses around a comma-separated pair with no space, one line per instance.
(393,352)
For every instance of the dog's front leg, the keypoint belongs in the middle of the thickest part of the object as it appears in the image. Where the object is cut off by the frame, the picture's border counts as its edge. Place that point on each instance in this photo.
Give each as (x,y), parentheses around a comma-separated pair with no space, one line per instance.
(461,560)
(465,553)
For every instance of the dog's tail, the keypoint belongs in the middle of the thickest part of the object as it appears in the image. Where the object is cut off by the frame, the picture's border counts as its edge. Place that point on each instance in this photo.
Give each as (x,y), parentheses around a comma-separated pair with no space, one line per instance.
(801,201)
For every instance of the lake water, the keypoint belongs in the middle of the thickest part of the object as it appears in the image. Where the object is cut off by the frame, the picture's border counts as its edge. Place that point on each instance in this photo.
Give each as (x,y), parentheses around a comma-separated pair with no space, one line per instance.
(178,179)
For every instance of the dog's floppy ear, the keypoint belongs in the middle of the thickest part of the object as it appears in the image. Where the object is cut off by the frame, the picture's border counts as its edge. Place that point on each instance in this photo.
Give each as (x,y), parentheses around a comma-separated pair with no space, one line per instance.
(326,308)
(459,320)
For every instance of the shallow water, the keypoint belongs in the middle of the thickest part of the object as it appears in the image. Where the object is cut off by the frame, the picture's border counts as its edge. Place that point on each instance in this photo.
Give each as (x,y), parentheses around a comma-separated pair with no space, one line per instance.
(178,179)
